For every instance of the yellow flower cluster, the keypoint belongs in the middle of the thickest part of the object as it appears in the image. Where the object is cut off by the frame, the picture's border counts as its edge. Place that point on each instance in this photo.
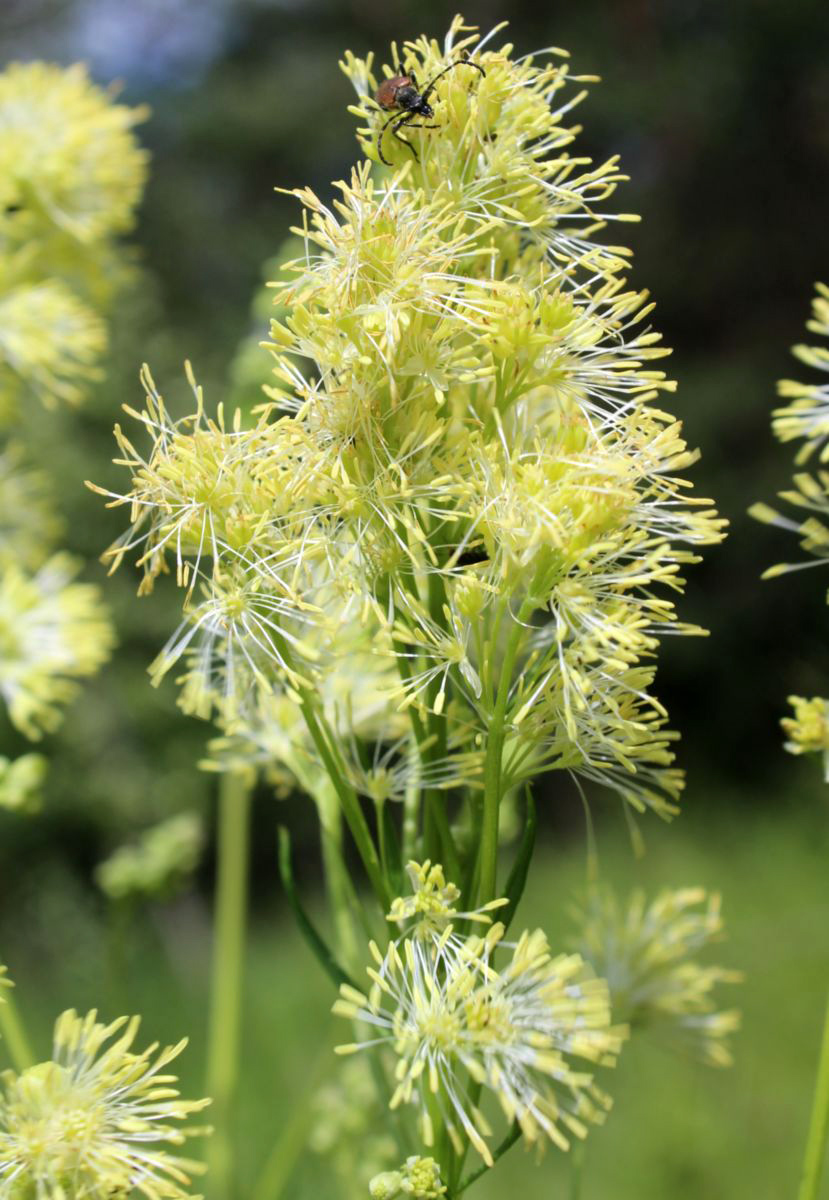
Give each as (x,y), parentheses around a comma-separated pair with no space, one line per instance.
(806,417)
(457,1024)
(96,1119)
(647,952)
(418,1178)
(430,908)
(807,731)
(462,457)
(70,177)
(453,1021)
(52,631)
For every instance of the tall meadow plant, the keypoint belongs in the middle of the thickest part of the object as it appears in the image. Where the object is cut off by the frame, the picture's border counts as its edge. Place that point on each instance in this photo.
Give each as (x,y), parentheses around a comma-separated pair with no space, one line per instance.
(435,565)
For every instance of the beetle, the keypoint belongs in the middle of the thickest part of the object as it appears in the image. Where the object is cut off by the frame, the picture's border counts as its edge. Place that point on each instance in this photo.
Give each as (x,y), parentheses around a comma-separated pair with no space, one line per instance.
(401,94)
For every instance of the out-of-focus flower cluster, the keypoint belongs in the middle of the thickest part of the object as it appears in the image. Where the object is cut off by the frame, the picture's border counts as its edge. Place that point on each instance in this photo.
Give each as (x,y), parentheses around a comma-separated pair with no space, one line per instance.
(647,953)
(456,1023)
(21,780)
(71,174)
(96,1120)
(348,1129)
(807,731)
(806,418)
(158,864)
(418,1178)
(463,471)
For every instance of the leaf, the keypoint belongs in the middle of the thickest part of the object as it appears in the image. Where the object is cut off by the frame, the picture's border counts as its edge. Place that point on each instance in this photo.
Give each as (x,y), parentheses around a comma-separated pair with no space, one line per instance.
(319,946)
(392,860)
(510,1140)
(518,875)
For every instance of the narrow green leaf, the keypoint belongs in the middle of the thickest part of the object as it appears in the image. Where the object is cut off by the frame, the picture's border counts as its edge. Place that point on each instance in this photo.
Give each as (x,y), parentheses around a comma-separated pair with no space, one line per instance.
(510,1140)
(518,875)
(392,859)
(319,946)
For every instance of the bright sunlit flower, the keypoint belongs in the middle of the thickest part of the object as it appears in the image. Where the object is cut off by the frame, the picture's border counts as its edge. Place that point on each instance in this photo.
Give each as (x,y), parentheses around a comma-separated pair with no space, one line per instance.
(52,631)
(647,953)
(97,1119)
(453,1020)
(68,158)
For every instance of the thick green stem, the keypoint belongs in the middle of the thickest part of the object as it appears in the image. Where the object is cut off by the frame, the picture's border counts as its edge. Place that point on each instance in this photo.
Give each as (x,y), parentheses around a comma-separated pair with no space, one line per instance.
(13,1032)
(492,767)
(226,981)
(818,1123)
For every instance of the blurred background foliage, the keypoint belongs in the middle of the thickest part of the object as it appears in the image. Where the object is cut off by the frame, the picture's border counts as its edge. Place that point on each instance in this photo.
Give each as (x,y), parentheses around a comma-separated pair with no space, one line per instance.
(718,109)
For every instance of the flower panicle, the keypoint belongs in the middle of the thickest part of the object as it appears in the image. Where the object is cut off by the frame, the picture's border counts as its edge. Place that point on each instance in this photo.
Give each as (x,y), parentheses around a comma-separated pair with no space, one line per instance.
(647,952)
(805,418)
(464,442)
(454,1019)
(56,631)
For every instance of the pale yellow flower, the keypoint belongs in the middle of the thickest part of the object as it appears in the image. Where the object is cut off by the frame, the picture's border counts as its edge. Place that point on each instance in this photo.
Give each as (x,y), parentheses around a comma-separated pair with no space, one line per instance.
(96,1120)
(52,632)
(453,1020)
(647,952)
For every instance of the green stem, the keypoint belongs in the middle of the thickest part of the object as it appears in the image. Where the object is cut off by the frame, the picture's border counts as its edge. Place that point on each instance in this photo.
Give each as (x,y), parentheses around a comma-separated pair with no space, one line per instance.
(13,1032)
(226,982)
(576,1169)
(818,1123)
(492,765)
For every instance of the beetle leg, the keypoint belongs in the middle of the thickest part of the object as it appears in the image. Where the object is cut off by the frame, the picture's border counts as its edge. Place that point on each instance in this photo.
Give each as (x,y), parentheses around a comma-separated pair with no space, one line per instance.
(394,117)
(406,119)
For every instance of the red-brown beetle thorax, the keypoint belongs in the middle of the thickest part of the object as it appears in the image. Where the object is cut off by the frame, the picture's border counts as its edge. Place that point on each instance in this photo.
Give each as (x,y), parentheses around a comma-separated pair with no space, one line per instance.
(386,95)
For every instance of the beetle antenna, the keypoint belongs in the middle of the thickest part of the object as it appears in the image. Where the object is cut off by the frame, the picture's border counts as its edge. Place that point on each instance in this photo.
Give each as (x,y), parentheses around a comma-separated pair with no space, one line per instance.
(461,62)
